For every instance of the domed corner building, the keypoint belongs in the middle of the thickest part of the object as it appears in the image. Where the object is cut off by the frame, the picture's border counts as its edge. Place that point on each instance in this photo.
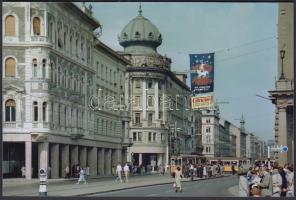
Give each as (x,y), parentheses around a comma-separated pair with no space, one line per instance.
(153,89)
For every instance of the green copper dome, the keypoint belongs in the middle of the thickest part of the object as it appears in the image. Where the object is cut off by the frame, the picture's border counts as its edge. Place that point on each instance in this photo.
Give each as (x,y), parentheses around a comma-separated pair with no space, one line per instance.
(140,36)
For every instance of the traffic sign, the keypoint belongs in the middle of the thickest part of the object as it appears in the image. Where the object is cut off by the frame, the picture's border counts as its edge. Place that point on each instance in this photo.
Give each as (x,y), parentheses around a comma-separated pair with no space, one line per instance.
(284,149)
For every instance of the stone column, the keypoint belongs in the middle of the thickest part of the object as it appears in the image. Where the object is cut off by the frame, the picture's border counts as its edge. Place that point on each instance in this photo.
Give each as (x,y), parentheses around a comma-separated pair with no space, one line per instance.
(28,159)
(156,101)
(43,148)
(54,160)
(124,155)
(65,159)
(93,156)
(101,159)
(113,158)
(74,155)
(140,158)
(83,156)
(282,135)
(108,161)
(144,101)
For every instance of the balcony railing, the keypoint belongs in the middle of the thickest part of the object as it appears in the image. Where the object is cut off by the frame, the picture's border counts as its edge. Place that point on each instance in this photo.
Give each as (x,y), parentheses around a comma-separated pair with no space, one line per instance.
(38,38)
(9,124)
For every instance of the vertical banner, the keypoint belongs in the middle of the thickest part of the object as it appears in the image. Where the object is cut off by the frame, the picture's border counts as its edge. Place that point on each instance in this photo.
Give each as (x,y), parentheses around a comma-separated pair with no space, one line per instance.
(202,79)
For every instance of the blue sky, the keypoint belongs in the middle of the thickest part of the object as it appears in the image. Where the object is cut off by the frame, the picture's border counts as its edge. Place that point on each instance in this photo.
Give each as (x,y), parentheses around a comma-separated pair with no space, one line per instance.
(247,69)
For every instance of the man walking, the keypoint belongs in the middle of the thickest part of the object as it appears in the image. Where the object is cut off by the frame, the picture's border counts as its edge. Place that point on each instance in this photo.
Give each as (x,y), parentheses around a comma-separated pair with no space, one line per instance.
(126,172)
(118,172)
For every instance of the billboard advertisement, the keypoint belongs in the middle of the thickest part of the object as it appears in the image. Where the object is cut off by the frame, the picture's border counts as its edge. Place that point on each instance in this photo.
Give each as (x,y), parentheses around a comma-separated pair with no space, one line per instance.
(202,73)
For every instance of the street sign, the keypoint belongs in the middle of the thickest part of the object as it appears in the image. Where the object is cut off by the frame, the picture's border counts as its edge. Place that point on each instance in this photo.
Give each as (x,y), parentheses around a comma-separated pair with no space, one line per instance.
(284,149)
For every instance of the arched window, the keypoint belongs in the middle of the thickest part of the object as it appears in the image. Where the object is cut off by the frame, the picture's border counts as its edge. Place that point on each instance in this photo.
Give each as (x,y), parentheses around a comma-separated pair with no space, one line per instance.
(10,110)
(137,35)
(124,36)
(35,111)
(35,67)
(10,26)
(59,75)
(10,67)
(36,26)
(150,35)
(44,111)
(44,68)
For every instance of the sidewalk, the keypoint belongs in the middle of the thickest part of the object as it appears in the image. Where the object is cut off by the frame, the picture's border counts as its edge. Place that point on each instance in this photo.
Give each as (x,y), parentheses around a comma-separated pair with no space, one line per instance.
(233,190)
(69,188)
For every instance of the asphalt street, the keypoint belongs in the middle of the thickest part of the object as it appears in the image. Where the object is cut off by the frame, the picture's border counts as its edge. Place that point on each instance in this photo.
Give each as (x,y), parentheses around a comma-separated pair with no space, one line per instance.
(203,188)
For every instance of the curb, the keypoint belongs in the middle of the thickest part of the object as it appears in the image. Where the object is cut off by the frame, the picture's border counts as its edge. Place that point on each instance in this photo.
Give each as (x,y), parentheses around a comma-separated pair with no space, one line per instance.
(132,187)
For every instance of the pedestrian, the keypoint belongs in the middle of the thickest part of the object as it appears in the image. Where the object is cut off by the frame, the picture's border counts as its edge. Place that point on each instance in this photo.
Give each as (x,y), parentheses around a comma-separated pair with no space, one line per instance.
(191,169)
(67,172)
(23,170)
(178,178)
(233,169)
(126,172)
(81,176)
(290,179)
(266,183)
(204,173)
(243,185)
(276,182)
(284,186)
(118,172)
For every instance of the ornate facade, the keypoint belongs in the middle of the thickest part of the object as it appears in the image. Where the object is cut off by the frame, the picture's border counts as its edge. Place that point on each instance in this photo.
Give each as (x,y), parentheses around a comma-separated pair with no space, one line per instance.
(160,125)
(52,66)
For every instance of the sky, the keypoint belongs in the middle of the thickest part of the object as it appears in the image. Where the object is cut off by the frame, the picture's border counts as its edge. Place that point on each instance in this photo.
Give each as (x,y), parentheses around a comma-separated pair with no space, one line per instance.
(242,36)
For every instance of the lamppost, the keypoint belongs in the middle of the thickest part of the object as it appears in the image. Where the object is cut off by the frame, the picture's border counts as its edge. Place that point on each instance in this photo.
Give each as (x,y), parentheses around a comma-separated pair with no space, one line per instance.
(282,53)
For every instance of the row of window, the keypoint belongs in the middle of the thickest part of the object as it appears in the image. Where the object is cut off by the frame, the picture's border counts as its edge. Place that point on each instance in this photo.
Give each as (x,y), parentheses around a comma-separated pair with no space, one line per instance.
(151,101)
(10,114)
(71,42)
(137,136)
(110,75)
(11,26)
(149,85)
(106,127)
(10,111)
(137,118)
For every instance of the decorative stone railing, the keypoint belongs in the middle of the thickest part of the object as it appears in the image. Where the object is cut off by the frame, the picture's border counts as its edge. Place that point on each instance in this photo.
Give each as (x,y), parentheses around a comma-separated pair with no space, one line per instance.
(149,61)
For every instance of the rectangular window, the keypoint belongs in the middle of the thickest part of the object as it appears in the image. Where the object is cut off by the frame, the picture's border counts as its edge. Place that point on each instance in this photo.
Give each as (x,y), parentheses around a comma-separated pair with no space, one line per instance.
(134,136)
(139,136)
(137,100)
(208,120)
(208,129)
(150,84)
(150,115)
(150,101)
(154,137)
(137,118)
(138,84)
(149,136)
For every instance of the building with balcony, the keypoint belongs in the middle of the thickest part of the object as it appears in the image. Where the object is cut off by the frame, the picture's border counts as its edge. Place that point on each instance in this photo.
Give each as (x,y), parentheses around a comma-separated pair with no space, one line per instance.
(52,65)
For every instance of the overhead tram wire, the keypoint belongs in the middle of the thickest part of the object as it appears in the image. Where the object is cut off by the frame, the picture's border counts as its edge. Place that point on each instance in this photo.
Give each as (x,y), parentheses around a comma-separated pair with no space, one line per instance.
(238,46)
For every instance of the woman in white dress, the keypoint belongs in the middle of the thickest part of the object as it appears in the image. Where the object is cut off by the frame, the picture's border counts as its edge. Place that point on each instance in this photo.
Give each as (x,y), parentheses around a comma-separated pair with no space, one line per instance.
(204,171)
(178,177)
(81,176)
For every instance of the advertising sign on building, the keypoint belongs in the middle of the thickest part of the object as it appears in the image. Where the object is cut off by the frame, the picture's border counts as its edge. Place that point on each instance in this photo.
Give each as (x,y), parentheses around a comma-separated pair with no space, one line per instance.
(202,80)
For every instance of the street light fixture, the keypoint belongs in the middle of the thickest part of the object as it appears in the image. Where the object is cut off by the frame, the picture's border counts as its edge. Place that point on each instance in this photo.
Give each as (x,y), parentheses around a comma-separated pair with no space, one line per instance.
(282,53)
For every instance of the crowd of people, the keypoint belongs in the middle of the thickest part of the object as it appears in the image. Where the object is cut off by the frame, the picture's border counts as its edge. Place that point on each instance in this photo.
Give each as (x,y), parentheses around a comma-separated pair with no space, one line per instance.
(263,180)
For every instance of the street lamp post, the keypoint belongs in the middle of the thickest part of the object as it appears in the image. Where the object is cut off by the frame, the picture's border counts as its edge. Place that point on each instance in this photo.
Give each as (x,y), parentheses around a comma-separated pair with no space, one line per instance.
(282,53)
